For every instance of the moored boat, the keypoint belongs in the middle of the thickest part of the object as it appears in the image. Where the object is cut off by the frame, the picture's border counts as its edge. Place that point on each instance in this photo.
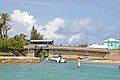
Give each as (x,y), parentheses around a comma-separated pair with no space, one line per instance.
(58,59)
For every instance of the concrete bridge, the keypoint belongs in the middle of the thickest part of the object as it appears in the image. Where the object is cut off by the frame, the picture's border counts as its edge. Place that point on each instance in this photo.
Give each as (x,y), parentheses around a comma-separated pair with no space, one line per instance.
(68,52)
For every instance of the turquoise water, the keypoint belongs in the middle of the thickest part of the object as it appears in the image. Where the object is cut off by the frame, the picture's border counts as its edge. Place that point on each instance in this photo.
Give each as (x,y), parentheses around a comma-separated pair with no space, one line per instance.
(47,70)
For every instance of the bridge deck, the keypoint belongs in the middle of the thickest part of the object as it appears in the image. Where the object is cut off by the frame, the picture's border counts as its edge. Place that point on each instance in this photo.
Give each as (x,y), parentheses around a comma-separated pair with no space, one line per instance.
(78,49)
(69,48)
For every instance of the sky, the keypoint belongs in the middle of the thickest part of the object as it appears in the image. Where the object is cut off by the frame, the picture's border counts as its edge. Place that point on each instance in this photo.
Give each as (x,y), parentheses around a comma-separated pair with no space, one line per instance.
(67,22)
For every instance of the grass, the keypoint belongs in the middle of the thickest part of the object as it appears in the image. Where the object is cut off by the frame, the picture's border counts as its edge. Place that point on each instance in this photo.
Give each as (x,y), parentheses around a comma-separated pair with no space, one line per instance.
(6,54)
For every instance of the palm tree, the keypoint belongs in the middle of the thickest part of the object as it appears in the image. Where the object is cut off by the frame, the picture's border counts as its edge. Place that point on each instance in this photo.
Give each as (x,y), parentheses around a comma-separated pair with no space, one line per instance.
(35,35)
(4,24)
(1,21)
(20,37)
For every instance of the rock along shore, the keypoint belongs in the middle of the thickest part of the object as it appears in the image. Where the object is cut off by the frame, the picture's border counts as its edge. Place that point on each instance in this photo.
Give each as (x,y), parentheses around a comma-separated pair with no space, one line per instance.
(19,60)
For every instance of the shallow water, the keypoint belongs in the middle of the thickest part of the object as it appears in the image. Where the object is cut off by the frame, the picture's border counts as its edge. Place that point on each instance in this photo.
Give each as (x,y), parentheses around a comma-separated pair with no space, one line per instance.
(48,70)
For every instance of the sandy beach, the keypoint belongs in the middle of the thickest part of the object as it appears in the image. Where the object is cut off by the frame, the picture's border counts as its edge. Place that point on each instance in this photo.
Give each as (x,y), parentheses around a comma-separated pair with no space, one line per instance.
(104,61)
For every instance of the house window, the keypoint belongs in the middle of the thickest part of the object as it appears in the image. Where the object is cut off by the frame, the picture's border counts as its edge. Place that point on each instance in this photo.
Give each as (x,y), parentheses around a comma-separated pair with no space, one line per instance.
(111,44)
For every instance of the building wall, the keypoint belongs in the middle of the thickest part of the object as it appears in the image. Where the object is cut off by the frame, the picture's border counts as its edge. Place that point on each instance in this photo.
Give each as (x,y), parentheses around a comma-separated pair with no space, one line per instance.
(112,45)
(72,55)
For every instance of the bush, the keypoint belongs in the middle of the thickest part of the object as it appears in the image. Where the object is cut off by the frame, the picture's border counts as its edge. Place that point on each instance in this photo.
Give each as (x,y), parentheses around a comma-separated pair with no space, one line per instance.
(43,53)
(6,54)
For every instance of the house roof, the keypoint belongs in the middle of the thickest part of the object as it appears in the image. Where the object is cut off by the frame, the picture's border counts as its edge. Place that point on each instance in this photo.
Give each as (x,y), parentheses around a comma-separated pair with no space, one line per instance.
(41,41)
(112,39)
(97,46)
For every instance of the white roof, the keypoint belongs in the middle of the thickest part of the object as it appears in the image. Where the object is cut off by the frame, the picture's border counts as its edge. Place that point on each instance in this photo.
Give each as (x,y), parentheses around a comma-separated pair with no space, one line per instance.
(41,40)
(97,46)
(112,39)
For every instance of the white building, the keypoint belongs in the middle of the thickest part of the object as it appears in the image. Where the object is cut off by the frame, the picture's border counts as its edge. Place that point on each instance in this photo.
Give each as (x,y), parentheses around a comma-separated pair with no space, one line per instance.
(97,46)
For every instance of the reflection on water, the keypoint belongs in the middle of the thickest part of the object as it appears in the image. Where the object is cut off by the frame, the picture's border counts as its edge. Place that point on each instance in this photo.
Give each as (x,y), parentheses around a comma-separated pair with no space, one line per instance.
(48,70)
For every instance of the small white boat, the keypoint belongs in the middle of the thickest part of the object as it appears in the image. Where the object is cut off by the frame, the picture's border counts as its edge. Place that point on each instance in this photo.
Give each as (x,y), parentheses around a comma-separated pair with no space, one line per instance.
(58,59)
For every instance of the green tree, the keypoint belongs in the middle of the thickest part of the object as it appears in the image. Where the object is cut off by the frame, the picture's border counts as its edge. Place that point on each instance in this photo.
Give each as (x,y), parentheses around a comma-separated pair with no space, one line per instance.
(4,24)
(34,35)
(39,37)
(83,45)
(20,39)
(43,53)
(4,44)
(17,44)
(14,45)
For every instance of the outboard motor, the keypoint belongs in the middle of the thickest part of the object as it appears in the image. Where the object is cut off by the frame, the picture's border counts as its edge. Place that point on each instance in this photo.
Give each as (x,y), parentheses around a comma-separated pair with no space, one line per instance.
(119,66)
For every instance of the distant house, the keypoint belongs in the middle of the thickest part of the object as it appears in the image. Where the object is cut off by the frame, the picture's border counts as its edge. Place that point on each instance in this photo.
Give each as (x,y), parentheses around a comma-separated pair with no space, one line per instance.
(97,46)
(112,43)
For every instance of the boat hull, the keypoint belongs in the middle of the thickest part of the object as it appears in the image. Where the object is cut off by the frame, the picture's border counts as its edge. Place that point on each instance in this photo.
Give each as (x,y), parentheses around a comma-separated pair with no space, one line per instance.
(58,60)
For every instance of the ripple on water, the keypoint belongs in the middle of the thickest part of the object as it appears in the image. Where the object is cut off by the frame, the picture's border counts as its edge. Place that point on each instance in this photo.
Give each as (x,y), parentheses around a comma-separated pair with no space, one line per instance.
(48,70)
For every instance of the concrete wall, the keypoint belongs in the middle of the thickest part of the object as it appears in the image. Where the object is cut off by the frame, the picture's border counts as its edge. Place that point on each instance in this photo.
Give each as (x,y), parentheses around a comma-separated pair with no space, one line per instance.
(30,53)
(72,55)
(114,55)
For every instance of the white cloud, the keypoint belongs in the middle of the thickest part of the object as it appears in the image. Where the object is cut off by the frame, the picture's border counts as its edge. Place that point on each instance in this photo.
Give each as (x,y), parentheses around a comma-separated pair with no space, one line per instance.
(75,38)
(23,18)
(79,26)
(23,23)
(50,29)
(71,32)
(82,22)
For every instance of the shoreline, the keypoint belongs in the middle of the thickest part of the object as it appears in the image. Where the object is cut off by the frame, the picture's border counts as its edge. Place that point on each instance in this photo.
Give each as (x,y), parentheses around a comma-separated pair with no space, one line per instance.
(11,60)
(102,61)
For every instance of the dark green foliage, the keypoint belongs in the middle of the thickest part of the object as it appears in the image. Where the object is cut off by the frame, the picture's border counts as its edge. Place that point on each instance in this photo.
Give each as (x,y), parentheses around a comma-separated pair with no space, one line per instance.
(6,54)
(43,53)
(14,45)
(35,35)
(4,44)
(8,45)
(60,44)
(83,45)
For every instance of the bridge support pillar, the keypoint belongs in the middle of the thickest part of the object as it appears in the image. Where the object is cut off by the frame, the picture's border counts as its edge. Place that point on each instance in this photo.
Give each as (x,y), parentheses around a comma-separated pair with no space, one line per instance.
(30,53)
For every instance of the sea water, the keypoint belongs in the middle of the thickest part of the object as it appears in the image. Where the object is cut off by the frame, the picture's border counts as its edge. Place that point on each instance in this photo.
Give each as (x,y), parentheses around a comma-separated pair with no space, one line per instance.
(47,70)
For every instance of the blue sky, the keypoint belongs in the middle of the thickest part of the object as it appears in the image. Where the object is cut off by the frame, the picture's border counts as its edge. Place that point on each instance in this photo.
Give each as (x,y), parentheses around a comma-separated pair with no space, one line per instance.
(66,21)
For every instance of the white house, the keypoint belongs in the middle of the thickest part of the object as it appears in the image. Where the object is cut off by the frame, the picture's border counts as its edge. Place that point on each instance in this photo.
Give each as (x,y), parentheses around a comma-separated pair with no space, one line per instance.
(97,46)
